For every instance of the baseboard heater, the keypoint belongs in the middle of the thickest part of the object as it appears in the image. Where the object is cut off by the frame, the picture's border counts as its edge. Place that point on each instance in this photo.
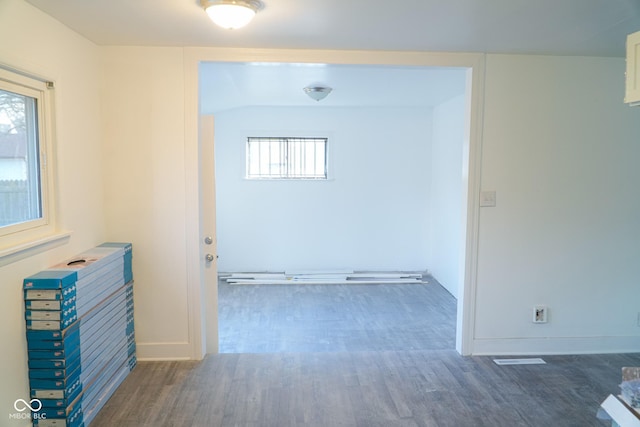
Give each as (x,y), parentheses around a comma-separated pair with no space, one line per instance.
(322,278)
(80,334)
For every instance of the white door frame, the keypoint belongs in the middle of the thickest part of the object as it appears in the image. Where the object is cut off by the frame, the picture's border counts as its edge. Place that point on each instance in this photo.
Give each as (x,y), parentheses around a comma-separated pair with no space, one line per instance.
(202,317)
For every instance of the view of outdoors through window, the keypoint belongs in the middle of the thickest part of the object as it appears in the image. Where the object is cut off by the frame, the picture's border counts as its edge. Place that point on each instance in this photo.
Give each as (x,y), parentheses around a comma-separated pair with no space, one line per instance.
(286,158)
(20,199)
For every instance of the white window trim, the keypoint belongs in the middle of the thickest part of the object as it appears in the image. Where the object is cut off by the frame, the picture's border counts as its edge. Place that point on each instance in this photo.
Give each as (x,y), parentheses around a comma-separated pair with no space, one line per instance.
(32,247)
(25,238)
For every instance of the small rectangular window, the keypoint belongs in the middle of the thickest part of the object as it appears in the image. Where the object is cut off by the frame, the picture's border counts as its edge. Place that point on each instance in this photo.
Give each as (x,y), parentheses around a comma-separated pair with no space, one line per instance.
(24,183)
(286,158)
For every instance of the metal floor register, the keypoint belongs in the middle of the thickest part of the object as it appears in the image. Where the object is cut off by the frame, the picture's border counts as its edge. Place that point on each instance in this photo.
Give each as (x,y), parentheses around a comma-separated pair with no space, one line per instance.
(80,334)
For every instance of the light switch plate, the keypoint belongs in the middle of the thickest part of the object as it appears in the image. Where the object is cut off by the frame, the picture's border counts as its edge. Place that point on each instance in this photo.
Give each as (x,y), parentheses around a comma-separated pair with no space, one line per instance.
(487,199)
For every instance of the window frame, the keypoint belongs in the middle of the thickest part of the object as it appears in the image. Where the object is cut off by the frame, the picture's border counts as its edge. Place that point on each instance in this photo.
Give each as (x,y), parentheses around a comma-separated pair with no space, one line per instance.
(288,164)
(22,233)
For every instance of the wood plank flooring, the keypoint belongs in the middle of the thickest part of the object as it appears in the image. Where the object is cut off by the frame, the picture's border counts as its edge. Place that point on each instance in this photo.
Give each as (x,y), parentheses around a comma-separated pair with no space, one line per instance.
(365,389)
(357,356)
(317,318)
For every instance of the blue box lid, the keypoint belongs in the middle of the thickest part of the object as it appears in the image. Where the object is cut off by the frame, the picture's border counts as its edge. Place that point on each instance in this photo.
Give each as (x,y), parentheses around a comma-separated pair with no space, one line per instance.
(51,279)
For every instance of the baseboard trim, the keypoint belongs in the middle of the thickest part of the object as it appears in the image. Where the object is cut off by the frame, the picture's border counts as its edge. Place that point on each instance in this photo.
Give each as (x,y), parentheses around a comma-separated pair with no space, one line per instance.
(146,352)
(562,345)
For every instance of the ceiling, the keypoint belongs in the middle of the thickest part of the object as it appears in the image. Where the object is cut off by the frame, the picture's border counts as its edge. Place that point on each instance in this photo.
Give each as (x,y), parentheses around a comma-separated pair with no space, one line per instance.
(232,85)
(557,27)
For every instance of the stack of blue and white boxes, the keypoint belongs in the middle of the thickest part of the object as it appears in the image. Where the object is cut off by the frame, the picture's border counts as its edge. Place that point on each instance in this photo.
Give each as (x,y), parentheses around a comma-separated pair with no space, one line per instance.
(80,334)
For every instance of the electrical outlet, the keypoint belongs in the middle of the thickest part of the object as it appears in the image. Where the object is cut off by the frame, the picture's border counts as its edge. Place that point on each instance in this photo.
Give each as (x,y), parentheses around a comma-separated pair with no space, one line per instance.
(540,313)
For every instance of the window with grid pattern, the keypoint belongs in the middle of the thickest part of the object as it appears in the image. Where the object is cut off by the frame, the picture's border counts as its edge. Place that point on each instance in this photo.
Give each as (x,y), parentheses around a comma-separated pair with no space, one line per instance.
(286,158)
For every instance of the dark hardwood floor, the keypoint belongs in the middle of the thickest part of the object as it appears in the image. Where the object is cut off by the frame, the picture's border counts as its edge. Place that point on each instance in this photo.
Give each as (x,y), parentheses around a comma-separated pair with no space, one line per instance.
(317,358)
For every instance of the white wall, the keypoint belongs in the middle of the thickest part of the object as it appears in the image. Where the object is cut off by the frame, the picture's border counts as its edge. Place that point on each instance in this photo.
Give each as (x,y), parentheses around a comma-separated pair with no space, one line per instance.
(446,219)
(38,44)
(559,147)
(561,151)
(372,214)
(143,104)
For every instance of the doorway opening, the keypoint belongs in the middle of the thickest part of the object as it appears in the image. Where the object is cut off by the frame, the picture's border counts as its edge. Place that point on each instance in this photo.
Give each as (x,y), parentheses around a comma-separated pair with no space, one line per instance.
(395,198)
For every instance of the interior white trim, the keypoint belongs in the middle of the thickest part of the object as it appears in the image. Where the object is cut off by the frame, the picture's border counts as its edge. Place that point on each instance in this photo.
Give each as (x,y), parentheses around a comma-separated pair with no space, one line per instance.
(466,310)
(32,247)
(163,351)
(194,55)
(559,345)
(195,288)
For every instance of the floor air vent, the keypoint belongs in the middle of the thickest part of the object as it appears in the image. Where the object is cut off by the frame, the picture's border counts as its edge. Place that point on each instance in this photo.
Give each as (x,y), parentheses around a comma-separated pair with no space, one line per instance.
(526,361)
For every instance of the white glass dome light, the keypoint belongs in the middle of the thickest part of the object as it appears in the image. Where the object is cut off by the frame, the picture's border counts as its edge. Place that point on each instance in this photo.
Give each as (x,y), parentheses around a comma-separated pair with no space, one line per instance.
(317,92)
(231,14)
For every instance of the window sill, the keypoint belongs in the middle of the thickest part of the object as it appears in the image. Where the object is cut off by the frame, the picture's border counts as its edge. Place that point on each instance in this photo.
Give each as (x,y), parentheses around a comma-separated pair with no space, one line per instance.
(17,252)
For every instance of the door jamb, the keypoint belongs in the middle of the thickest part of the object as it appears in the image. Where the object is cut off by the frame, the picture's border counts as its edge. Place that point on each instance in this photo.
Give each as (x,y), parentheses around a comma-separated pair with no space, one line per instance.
(199,317)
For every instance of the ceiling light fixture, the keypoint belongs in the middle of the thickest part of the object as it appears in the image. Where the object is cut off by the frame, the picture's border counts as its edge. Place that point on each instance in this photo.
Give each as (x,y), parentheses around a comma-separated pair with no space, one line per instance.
(317,92)
(231,14)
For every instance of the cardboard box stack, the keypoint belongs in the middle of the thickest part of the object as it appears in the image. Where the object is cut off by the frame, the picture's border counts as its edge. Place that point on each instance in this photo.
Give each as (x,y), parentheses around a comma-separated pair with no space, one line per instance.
(80,334)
